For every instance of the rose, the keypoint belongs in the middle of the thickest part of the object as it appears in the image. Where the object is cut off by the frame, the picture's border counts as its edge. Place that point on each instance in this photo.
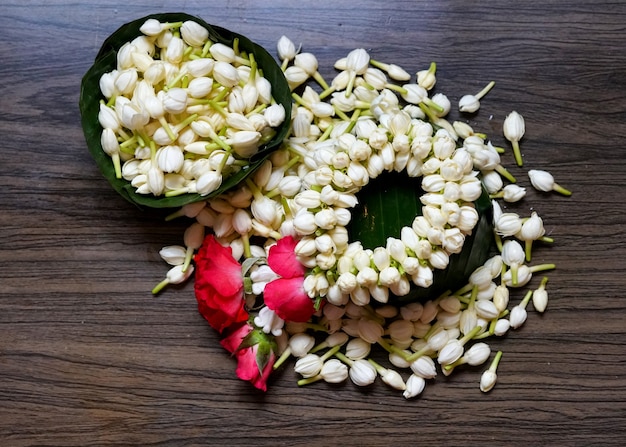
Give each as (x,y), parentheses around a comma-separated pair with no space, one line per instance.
(219,285)
(255,352)
(286,295)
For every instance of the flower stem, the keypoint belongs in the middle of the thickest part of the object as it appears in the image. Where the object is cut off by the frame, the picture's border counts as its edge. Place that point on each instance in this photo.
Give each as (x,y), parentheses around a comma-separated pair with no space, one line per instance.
(284,356)
(517,153)
(484,91)
(506,174)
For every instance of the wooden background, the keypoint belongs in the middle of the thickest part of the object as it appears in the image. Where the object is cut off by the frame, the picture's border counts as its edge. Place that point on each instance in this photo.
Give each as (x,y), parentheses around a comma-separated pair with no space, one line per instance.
(89,357)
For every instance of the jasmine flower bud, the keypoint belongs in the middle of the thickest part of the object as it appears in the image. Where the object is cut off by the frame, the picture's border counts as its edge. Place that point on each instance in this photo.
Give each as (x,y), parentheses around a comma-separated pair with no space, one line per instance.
(175,275)
(334,371)
(540,296)
(514,129)
(426,78)
(264,210)
(304,222)
(531,230)
(502,327)
(424,367)
(286,50)
(513,193)
(471,103)
(175,100)
(225,74)
(309,366)
(173,254)
(501,298)
(300,344)
(357,349)
(362,372)
(513,256)
(193,33)
(507,224)
(274,115)
(170,158)
(174,50)
(208,182)
(151,27)
(295,76)
(544,181)
(200,67)
(489,377)
(414,386)
(245,143)
(518,313)
(200,87)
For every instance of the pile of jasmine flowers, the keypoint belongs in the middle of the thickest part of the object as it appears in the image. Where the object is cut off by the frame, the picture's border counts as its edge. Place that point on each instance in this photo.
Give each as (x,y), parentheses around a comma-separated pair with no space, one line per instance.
(183,112)
(371,118)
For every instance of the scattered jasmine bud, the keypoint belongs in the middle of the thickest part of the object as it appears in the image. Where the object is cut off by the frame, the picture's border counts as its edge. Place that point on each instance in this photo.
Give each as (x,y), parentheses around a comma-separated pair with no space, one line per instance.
(471,103)
(489,377)
(540,296)
(173,254)
(518,313)
(514,129)
(414,386)
(175,275)
(532,229)
(286,51)
(544,181)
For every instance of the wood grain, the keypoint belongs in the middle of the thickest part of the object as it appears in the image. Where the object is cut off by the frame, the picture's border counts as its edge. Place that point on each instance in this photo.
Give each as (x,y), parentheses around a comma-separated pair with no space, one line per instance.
(89,357)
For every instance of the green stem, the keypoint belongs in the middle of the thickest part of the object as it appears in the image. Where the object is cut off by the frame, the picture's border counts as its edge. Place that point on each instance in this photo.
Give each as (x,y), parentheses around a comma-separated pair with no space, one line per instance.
(283,357)
(344,359)
(558,188)
(484,91)
(160,286)
(506,174)
(517,153)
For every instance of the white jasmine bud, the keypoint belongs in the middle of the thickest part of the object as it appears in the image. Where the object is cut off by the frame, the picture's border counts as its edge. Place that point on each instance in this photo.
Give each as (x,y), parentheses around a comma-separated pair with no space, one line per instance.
(151,27)
(471,103)
(507,224)
(334,371)
(518,313)
(424,367)
(208,182)
(362,372)
(245,143)
(544,181)
(477,354)
(269,322)
(540,296)
(170,158)
(304,222)
(274,115)
(200,87)
(286,50)
(513,193)
(309,366)
(175,100)
(531,230)
(501,298)
(174,50)
(489,377)
(502,327)
(514,129)
(200,67)
(225,74)
(193,33)
(175,275)
(414,386)
(357,348)
(173,254)
(300,344)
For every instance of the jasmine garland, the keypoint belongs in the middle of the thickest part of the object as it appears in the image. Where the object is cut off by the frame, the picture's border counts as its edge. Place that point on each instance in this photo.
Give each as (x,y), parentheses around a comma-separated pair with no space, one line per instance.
(277,266)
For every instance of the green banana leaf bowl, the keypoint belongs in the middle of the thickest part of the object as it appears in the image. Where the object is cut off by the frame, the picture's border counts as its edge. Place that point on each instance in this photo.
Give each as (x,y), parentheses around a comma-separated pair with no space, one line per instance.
(106,60)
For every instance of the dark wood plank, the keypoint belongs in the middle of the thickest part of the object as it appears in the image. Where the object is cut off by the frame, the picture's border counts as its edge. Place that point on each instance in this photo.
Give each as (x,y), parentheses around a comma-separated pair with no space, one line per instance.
(89,357)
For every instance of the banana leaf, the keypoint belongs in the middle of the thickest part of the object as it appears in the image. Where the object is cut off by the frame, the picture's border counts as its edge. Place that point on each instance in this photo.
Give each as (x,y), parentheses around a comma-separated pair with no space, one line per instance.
(106,60)
(391,202)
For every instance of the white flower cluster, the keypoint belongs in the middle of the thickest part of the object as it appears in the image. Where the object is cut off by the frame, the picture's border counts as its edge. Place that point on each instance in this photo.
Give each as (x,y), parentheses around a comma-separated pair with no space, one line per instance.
(306,190)
(183,112)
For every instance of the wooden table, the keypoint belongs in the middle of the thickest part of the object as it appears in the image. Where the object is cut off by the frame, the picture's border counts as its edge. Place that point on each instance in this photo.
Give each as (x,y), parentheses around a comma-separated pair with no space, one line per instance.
(89,357)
